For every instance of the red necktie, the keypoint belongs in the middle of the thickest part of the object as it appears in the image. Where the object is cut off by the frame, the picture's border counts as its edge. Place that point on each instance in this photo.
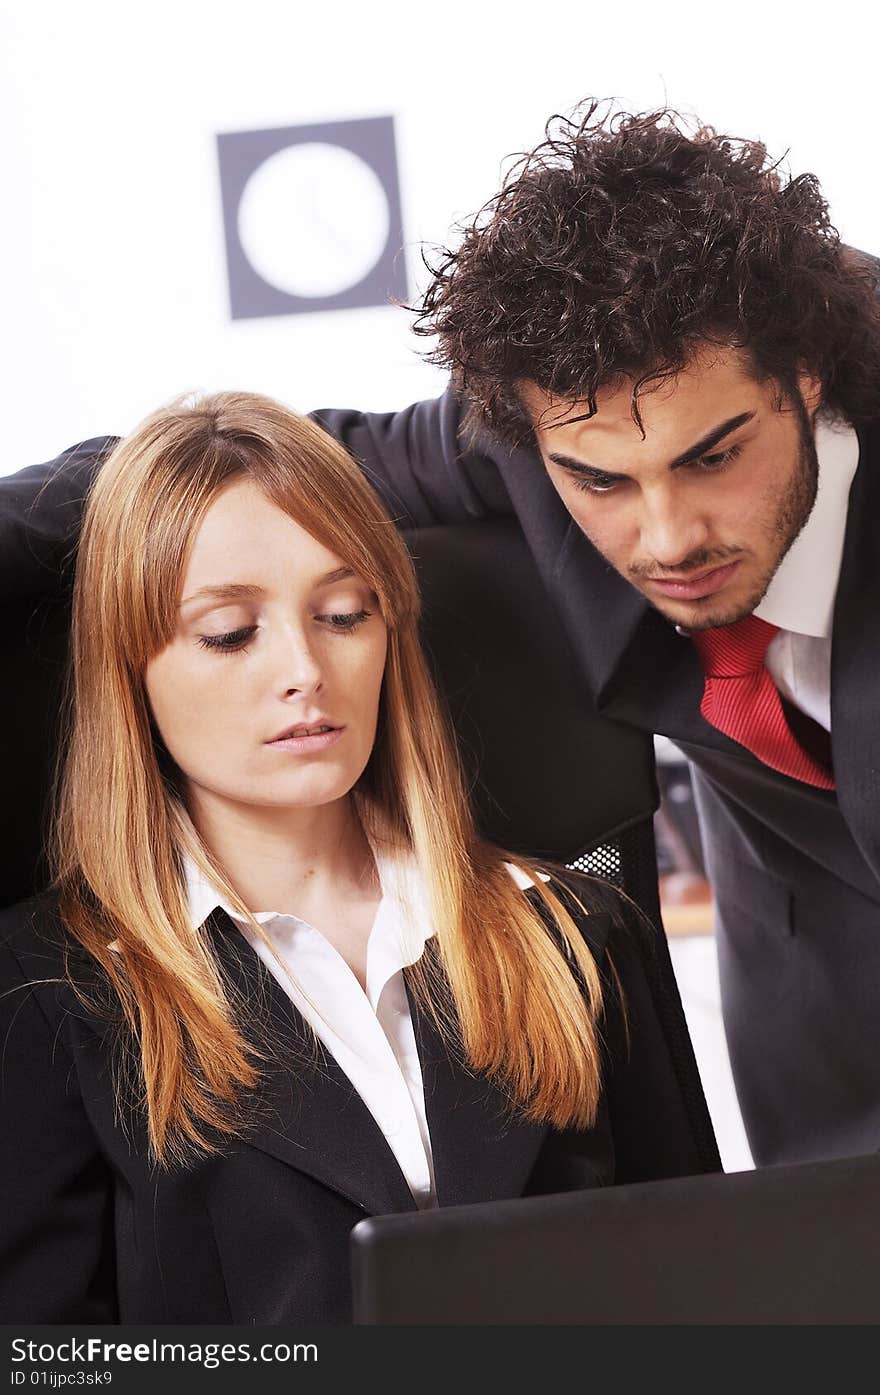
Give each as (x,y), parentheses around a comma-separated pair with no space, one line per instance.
(741,699)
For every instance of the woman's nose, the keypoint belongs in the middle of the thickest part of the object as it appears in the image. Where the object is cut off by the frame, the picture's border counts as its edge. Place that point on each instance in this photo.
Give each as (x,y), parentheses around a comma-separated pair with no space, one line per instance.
(301,672)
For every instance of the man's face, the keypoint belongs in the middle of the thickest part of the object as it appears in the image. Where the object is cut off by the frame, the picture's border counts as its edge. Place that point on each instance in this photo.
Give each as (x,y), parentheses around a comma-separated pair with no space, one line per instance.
(698,514)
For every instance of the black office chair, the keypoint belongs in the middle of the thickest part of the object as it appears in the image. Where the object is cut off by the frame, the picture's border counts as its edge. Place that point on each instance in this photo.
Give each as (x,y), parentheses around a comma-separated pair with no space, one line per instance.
(550,777)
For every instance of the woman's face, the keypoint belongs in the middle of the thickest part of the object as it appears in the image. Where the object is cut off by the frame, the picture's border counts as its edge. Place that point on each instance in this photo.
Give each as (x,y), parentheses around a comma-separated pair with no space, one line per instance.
(268,693)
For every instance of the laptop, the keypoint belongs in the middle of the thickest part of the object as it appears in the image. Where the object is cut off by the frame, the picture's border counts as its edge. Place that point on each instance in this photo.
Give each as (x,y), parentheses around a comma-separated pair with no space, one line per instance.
(786,1244)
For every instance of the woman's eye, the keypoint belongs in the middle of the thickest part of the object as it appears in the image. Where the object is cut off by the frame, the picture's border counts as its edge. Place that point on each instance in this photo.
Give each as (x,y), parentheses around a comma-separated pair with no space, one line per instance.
(345,622)
(235,641)
(231,642)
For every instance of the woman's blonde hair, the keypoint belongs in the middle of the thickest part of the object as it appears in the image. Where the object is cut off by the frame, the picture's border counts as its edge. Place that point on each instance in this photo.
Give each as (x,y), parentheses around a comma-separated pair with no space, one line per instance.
(520,1001)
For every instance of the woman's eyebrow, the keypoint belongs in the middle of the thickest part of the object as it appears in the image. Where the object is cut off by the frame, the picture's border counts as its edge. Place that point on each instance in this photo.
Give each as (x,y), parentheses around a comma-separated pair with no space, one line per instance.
(240,590)
(338,574)
(226,591)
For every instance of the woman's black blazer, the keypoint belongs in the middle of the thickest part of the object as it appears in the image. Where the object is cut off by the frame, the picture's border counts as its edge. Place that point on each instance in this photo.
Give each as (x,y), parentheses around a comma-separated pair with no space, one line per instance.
(90,1232)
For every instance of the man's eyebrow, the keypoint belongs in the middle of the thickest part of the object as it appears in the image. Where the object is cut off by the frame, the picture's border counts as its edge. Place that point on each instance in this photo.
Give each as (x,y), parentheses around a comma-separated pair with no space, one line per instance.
(701,447)
(240,590)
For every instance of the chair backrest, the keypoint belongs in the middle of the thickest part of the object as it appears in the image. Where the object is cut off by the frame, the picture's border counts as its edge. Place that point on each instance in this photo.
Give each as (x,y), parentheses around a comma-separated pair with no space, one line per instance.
(550,777)
(34,653)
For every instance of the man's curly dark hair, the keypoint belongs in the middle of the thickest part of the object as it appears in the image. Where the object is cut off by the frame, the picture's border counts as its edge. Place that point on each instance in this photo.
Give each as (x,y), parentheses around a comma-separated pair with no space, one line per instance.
(621,245)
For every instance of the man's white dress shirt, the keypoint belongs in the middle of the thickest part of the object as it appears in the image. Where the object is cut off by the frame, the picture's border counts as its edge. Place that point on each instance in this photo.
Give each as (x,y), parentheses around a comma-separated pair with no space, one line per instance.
(370,1033)
(800,598)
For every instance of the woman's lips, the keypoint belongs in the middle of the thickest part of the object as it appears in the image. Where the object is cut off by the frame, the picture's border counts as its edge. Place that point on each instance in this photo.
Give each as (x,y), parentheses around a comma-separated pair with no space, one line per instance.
(706,584)
(307,745)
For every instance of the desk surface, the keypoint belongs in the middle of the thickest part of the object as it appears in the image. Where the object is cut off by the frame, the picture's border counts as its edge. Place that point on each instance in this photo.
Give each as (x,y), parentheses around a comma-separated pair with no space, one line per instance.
(685,904)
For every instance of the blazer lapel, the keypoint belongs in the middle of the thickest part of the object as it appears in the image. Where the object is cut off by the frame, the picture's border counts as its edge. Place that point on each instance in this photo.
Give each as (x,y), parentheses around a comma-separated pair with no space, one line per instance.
(482,1151)
(855,656)
(639,669)
(306,1110)
(310,1115)
(600,611)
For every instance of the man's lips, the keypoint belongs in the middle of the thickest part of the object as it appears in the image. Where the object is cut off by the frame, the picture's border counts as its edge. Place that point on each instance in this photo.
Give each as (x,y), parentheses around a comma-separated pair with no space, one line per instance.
(693,588)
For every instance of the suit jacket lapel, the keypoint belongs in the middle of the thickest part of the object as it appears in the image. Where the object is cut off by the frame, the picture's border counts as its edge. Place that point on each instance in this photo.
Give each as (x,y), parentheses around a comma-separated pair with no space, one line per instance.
(307,1112)
(310,1115)
(855,667)
(481,1150)
(601,612)
(639,669)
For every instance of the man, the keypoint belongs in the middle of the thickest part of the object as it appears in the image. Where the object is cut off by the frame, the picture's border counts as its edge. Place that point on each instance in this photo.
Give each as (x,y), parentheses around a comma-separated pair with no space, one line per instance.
(667,366)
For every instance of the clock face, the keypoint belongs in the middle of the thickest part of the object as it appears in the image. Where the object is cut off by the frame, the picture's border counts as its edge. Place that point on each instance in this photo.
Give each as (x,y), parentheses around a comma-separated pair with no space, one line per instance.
(313,219)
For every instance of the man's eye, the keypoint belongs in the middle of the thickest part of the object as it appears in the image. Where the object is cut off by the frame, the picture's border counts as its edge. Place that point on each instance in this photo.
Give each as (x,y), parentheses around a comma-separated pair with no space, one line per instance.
(231,642)
(595,484)
(719,459)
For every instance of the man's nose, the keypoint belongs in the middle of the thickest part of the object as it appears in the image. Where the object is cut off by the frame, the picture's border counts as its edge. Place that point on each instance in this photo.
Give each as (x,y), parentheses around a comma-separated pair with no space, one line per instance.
(671,531)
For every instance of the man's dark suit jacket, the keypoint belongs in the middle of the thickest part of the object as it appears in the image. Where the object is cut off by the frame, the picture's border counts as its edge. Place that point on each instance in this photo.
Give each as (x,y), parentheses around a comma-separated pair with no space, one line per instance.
(260,1232)
(796,870)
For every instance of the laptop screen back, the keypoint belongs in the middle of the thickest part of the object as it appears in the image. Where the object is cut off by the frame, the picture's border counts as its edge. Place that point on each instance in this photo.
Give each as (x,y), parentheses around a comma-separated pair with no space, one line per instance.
(785,1244)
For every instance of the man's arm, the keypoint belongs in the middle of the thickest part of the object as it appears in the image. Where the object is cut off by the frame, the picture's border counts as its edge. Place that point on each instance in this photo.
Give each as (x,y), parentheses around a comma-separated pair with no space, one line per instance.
(40,514)
(416,458)
(422,464)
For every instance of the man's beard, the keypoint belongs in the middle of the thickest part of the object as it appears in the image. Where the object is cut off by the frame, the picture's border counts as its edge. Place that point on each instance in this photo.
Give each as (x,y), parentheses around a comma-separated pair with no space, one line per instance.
(793,513)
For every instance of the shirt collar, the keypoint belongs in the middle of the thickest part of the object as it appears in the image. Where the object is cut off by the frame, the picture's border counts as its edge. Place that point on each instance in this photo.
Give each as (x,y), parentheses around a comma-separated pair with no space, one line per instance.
(203,898)
(400,931)
(800,596)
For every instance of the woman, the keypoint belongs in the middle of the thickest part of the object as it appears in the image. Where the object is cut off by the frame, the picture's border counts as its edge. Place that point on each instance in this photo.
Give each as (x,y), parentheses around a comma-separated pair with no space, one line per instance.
(215,1063)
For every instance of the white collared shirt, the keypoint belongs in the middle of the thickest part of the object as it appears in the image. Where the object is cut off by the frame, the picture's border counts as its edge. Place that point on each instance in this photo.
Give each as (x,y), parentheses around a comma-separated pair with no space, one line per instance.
(370,1034)
(800,598)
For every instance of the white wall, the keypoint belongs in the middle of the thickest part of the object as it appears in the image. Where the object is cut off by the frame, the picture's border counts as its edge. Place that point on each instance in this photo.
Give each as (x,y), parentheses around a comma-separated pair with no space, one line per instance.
(114,294)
